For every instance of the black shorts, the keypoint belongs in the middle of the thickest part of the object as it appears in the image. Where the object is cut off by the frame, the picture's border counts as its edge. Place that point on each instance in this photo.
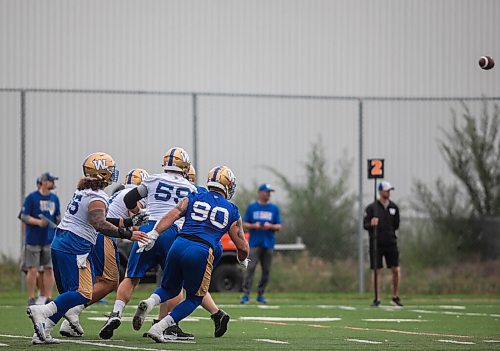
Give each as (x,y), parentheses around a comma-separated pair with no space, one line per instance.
(389,252)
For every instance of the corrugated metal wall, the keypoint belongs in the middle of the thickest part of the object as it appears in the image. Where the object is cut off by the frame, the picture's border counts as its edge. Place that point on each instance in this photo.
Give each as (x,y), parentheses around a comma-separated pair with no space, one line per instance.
(363,47)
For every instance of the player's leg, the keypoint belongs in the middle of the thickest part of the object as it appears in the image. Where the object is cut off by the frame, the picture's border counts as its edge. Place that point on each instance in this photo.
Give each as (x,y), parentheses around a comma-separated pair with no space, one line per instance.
(249,273)
(74,279)
(196,267)
(266,259)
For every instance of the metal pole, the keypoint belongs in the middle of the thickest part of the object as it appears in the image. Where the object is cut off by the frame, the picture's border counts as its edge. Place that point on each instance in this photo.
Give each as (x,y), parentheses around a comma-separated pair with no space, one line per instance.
(195,132)
(23,172)
(361,256)
(375,244)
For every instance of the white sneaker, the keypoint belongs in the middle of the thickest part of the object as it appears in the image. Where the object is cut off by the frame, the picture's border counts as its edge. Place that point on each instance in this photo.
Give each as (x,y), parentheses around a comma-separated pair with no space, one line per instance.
(156,333)
(38,315)
(69,331)
(71,324)
(140,314)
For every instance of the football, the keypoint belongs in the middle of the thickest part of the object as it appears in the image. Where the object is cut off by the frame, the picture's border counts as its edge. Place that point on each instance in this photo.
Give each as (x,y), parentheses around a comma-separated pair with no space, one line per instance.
(486,62)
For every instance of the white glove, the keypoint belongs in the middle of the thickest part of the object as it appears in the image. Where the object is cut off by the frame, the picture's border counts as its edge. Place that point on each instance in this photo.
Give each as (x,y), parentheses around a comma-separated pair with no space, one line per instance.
(152,236)
(243,263)
(141,218)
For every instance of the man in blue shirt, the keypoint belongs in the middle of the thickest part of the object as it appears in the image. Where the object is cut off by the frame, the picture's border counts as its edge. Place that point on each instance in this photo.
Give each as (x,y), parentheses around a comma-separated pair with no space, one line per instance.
(263,220)
(40,212)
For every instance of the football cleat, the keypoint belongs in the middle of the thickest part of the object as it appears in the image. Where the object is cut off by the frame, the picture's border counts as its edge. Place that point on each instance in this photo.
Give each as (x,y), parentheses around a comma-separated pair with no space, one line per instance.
(192,174)
(156,333)
(221,320)
(174,332)
(100,165)
(48,340)
(68,330)
(244,299)
(222,178)
(396,301)
(113,322)
(38,315)
(140,314)
(136,176)
(177,159)
(376,303)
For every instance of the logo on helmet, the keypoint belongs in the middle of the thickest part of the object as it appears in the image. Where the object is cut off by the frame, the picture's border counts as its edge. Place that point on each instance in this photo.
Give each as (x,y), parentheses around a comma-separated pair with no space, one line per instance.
(99,164)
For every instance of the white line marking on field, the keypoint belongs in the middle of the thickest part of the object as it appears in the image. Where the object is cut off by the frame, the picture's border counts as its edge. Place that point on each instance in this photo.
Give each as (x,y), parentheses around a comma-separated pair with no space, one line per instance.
(83,342)
(3,344)
(268,307)
(492,341)
(150,319)
(393,320)
(289,319)
(407,332)
(452,307)
(272,341)
(457,342)
(346,308)
(6,306)
(453,313)
(364,341)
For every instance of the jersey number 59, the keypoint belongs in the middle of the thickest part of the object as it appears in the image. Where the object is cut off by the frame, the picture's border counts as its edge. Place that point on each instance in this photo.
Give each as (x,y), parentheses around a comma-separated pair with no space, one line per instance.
(202,211)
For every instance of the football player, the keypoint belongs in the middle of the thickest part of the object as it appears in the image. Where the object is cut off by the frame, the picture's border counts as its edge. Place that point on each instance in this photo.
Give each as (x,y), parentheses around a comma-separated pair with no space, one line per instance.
(218,316)
(105,256)
(74,238)
(163,192)
(208,216)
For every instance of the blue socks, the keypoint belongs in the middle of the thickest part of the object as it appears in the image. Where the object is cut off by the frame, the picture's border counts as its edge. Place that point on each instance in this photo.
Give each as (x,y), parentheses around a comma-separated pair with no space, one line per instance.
(186,307)
(66,301)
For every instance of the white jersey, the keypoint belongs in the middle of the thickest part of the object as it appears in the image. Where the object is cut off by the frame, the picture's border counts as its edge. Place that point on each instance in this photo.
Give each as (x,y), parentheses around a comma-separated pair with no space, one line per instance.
(75,218)
(117,208)
(163,193)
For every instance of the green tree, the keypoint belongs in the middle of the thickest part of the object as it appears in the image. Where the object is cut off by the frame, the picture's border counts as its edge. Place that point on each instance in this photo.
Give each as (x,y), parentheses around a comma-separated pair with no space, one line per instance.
(320,210)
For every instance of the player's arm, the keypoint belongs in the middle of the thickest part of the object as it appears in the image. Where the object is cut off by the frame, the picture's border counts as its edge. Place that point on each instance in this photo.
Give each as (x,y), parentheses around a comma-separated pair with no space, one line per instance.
(132,198)
(367,218)
(97,218)
(237,235)
(174,214)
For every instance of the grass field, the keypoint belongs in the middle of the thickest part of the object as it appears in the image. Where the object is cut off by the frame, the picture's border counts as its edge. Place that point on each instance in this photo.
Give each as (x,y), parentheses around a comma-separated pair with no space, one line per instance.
(294,322)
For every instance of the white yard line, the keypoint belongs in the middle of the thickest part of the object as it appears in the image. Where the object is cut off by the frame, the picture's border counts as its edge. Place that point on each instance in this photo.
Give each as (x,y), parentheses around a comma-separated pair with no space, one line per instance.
(364,341)
(393,320)
(407,332)
(269,307)
(452,307)
(3,344)
(272,341)
(346,308)
(289,319)
(492,341)
(457,342)
(83,342)
(150,319)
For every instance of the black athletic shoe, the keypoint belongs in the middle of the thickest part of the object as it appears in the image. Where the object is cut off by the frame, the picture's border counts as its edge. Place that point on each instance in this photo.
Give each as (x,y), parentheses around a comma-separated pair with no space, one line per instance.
(376,303)
(113,322)
(221,319)
(31,301)
(174,332)
(396,301)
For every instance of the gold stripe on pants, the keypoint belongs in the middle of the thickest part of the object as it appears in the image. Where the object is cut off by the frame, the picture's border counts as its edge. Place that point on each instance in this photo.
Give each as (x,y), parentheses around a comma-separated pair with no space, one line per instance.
(110,271)
(202,291)
(85,281)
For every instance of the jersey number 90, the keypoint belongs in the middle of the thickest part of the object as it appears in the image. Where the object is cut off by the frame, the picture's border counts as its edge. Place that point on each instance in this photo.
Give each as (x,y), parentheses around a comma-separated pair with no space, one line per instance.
(203,211)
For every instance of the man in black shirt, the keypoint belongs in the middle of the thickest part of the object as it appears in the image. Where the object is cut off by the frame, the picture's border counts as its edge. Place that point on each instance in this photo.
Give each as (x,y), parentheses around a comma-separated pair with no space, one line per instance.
(384,215)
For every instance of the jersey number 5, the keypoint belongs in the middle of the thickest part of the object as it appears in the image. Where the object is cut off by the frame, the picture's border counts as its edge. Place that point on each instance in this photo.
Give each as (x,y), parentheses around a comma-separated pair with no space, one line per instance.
(165,191)
(202,211)
(73,205)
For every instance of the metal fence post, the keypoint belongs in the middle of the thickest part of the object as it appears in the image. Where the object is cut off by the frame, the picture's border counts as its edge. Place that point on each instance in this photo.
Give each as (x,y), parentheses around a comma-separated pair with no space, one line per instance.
(23,172)
(361,257)
(195,132)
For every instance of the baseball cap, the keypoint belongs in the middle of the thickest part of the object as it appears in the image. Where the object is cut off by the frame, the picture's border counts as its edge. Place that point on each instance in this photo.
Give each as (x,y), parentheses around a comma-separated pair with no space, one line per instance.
(386,186)
(265,187)
(47,176)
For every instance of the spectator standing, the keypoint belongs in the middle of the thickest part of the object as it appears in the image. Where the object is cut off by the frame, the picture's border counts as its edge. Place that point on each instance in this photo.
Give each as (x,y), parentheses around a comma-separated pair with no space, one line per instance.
(41,210)
(383,215)
(263,220)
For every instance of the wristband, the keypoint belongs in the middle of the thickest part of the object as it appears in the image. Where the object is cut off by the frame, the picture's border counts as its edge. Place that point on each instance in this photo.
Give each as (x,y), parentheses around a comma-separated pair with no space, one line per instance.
(124,233)
(127,222)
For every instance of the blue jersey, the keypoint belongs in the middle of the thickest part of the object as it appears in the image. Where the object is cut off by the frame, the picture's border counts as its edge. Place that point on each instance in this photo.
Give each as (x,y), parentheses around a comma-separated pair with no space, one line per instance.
(34,205)
(262,213)
(209,216)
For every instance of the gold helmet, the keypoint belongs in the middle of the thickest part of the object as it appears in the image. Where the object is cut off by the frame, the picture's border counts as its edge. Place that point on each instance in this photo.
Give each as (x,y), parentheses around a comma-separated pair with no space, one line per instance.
(192,174)
(177,159)
(100,165)
(221,177)
(136,176)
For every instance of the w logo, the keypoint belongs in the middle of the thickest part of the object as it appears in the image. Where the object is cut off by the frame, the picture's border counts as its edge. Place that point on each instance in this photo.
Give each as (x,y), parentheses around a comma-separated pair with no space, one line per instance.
(99,164)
